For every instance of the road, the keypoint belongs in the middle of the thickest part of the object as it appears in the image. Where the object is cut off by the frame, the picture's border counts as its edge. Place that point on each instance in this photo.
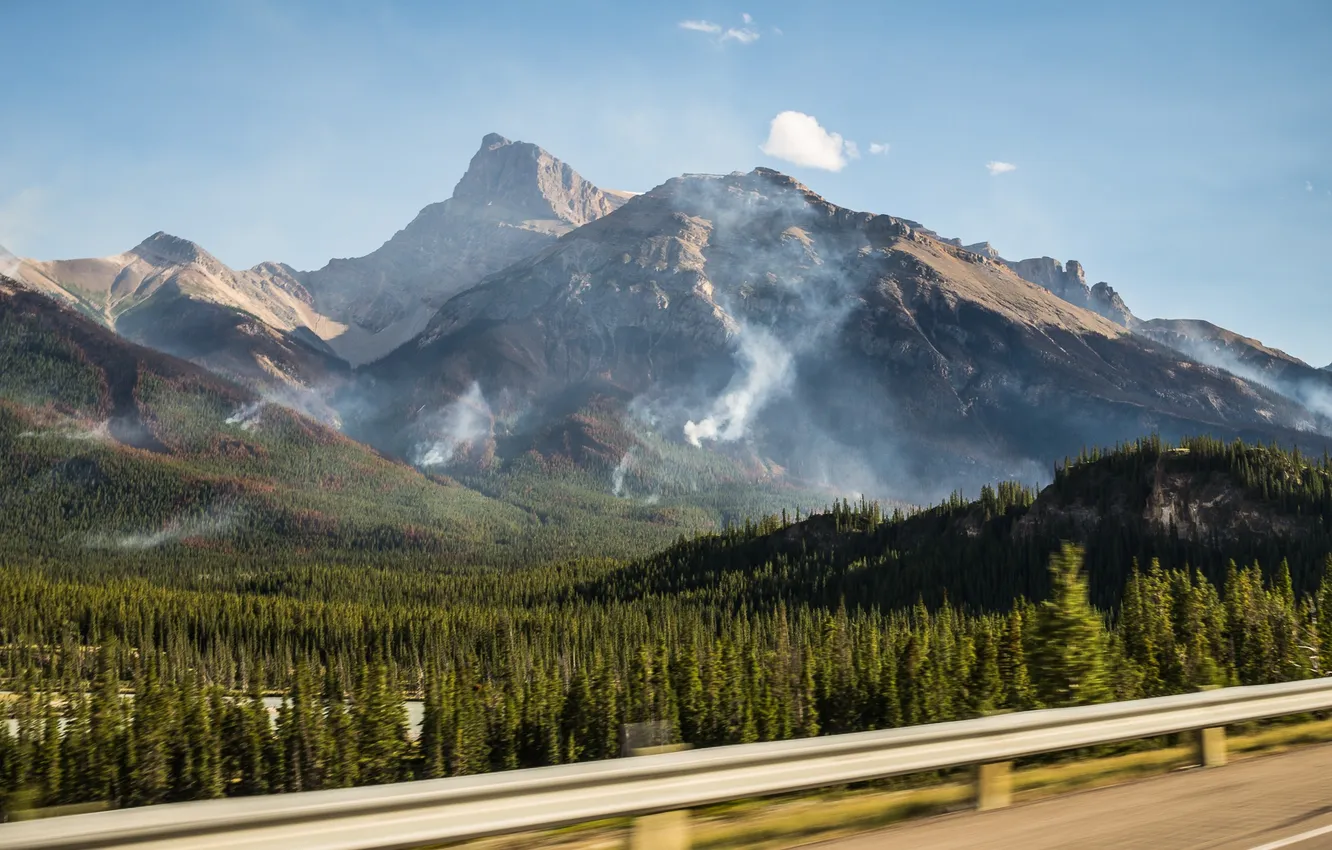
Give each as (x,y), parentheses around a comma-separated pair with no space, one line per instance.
(1258,804)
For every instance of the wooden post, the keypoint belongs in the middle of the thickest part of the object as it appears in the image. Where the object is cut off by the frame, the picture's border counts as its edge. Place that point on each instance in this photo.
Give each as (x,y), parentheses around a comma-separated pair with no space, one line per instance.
(994,785)
(1212,746)
(665,831)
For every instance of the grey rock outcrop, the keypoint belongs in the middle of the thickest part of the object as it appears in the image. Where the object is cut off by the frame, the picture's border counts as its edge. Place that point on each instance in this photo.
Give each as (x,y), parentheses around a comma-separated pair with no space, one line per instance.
(1069,282)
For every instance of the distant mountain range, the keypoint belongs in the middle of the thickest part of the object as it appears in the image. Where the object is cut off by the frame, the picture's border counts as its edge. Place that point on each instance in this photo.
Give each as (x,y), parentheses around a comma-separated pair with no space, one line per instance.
(535,315)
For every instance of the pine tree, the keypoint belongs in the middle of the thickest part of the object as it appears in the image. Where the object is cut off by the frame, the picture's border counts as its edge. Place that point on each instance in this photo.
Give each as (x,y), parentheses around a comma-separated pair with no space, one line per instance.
(434,760)
(300,729)
(380,721)
(1071,667)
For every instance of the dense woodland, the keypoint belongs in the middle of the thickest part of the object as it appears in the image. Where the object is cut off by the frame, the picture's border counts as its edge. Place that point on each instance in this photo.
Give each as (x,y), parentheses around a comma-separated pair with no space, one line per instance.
(541,665)
(152,597)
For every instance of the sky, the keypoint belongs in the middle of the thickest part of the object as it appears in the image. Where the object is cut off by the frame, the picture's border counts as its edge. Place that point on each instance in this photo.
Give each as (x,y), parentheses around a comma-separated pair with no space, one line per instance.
(1181,151)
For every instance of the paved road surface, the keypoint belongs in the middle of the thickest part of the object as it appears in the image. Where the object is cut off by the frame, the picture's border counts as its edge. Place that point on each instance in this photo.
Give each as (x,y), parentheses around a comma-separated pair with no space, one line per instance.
(1258,804)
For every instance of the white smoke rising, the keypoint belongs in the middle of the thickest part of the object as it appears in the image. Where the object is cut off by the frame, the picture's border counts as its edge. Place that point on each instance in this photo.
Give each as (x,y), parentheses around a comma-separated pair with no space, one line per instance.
(766,367)
(9,264)
(459,425)
(99,432)
(211,524)
(1312,392)
(621,469)
(248,415)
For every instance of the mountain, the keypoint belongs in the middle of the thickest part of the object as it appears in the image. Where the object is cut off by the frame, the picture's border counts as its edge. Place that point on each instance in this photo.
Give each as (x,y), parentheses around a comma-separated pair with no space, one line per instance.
(170,294)
(109,449)
(1199,340)
(1245,357)
(514,200)
(289,330)
(746,314)
(1210,343)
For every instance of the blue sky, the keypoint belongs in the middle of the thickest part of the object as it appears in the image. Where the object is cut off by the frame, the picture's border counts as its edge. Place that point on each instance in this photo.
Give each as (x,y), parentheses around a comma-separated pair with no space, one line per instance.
(1181,151)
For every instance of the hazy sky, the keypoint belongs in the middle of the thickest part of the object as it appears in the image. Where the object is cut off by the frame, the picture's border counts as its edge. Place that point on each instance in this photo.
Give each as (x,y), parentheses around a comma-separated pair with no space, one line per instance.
(1181,151)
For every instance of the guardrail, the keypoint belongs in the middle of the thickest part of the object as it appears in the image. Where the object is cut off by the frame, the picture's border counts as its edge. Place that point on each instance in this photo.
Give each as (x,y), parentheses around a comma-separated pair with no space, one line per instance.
(416,814)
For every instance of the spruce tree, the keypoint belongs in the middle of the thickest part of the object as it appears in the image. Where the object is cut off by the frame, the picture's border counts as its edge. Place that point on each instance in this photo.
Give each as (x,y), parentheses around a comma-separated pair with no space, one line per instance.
(1070,666)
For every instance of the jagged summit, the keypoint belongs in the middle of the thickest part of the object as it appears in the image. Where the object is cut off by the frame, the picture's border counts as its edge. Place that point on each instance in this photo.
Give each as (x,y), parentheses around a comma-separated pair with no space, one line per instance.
(514,200)
(519,181)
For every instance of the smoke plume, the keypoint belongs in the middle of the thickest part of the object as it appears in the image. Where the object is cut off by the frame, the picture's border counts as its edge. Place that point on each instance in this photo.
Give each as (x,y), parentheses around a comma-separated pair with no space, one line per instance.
(248,415)
(99,432)
(9,264)
(765,371)
(617,476)
(456,427)
(1311,391)
(210,524)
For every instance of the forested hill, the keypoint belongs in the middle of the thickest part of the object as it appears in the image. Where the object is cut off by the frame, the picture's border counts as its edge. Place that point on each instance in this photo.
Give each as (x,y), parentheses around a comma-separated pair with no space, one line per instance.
(110,451)
(1201,504)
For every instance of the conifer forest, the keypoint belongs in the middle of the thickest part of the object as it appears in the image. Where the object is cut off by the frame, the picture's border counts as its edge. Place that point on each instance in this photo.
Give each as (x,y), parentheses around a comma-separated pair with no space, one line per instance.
(177,674)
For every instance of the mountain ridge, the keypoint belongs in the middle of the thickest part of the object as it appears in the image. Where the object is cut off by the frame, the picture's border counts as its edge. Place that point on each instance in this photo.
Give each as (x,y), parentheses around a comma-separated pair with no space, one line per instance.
(700,299)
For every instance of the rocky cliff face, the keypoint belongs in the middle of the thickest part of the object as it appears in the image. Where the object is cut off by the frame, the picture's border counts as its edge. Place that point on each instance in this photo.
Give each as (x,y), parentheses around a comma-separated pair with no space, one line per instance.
(514,200)
(1069,282)
(745,310)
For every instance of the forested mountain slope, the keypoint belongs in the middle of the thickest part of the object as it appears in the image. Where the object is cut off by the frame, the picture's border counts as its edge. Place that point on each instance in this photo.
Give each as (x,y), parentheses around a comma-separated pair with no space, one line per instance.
(1199,505)
(110,449)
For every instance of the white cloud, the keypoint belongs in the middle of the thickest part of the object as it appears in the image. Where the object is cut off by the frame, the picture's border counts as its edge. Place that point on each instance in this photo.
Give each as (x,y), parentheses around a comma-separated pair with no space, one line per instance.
(995,167)
(744,35)
(878,148)
(799,139)
(700,26)
(776,31)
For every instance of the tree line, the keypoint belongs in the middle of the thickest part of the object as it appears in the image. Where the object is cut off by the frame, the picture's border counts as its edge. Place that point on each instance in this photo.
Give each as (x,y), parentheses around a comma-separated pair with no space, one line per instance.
(135,724)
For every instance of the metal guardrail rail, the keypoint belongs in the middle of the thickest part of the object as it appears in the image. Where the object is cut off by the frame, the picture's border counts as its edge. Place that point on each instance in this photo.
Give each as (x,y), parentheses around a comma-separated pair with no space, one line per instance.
(416,814)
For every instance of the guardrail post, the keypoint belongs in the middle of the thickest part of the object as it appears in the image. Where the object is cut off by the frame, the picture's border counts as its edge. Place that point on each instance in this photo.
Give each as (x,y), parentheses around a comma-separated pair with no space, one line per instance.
(994,785)
(1212,746)
(665,831)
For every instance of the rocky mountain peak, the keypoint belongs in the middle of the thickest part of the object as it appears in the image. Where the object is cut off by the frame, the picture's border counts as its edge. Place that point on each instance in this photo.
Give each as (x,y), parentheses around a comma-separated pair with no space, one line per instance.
(163,249)
(523,181)
(514,200)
